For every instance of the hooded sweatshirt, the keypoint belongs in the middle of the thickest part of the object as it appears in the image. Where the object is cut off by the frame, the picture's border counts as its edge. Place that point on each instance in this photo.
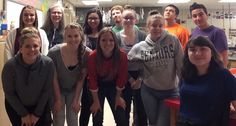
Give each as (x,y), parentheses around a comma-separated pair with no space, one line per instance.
(161,61)
(28,85)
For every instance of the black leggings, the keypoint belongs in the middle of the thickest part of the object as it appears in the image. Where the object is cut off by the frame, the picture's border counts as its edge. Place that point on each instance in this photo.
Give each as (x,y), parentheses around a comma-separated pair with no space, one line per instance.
(44,120)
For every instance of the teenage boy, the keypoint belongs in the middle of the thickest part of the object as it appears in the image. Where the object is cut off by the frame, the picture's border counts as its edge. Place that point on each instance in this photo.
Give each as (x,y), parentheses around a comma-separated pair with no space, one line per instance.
(216,35)
(171,12)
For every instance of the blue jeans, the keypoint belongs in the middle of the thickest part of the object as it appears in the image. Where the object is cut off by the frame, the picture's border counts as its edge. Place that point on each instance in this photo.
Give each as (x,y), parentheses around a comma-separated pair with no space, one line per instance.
(158,114)
(139,115)
(66,111)
(108,90)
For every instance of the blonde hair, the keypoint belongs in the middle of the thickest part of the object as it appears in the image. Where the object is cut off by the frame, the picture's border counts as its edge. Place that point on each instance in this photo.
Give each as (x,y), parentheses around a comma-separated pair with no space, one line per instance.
(28,32)
(76,26)
(154,17)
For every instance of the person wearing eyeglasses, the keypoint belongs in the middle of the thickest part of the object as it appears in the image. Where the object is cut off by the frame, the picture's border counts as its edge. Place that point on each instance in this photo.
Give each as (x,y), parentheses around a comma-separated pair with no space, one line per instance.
(127,38)
(54,24)
(92,25)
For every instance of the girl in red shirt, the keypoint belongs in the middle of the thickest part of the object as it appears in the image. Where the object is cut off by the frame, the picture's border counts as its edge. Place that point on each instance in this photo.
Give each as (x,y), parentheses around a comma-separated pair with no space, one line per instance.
(107,75)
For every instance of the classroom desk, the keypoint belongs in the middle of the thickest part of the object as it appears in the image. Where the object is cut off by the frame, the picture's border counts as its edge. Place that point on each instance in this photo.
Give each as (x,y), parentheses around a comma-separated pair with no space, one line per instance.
(174,109)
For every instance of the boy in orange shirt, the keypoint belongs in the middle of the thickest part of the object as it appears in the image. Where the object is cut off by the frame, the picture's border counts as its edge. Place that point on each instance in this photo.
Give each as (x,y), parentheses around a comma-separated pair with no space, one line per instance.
(170,14)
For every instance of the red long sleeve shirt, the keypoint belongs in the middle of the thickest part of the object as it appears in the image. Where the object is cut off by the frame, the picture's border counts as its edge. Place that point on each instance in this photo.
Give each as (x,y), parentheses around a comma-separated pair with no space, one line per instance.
(107,66)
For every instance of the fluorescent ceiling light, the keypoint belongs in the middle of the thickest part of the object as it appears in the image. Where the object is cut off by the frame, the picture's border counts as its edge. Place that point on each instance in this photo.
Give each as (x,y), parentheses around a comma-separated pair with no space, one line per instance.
(89,2)
(173,1)
(94,2)
(104,0)
(227,1)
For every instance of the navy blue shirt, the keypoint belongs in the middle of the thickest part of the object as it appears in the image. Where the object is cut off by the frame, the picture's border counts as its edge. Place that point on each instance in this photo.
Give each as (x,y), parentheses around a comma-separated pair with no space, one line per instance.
(206,99)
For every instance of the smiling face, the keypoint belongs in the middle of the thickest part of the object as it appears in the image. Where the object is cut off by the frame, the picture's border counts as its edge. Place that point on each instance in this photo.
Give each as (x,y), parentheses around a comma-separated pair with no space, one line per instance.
(107,43)
(199,17)
(73,37)
(56,15)
(29,16)
(155,26)
(200,56)
(93,20)
(30,49)
(129,18)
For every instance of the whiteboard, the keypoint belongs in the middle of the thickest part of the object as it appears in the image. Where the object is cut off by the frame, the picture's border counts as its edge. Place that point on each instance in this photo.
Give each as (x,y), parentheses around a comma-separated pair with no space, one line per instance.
(13,14)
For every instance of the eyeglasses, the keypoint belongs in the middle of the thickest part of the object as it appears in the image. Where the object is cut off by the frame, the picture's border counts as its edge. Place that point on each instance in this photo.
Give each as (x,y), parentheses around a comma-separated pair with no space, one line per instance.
(128,18)
(93,18)
(56,12)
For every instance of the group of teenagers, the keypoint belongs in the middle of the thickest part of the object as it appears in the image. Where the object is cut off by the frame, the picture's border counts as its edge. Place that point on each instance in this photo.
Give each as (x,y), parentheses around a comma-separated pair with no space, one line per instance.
(65,70)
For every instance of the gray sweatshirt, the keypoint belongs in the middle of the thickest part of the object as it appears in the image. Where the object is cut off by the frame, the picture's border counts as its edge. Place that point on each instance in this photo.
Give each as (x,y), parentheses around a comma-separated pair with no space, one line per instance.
(28,85)
(161,61)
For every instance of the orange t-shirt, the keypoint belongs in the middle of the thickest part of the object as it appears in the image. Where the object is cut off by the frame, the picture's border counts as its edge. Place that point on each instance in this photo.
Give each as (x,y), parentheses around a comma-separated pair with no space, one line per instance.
(180,32)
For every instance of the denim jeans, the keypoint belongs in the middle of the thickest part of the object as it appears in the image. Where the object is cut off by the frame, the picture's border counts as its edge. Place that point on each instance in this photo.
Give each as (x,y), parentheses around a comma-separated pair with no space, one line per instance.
(86,102)
(158,114)
(108,91)
(66,111)
(139,114)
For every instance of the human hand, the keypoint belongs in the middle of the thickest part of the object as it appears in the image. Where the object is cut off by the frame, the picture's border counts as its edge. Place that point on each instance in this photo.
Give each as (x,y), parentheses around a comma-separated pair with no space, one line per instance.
(120,102)
(57,106)
(136,84)
(76,106)
(34,119)
(95,107)
(26,121)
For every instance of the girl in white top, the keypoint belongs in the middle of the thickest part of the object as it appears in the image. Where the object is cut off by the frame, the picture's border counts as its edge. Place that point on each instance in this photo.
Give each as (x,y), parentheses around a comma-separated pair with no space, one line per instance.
(28,18)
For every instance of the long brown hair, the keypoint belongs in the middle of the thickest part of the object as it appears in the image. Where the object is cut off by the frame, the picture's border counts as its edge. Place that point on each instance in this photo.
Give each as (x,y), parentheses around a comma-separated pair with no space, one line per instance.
(115,55)
(48,25)
(21,23)
(81,48)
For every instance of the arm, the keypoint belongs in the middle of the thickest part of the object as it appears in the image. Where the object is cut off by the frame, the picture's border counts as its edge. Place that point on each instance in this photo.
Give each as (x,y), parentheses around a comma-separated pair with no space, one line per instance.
(184,37)
(92,78)
(121,80)
(45,43)
(8,83)
(57,93)
(224,57)
(178,57)
(95,107)
(221,44)
(9,46)
(44,98)
(79,86)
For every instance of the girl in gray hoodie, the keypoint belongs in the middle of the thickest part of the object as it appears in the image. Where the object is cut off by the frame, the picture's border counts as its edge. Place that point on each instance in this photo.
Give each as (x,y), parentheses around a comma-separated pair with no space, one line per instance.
(161,58)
